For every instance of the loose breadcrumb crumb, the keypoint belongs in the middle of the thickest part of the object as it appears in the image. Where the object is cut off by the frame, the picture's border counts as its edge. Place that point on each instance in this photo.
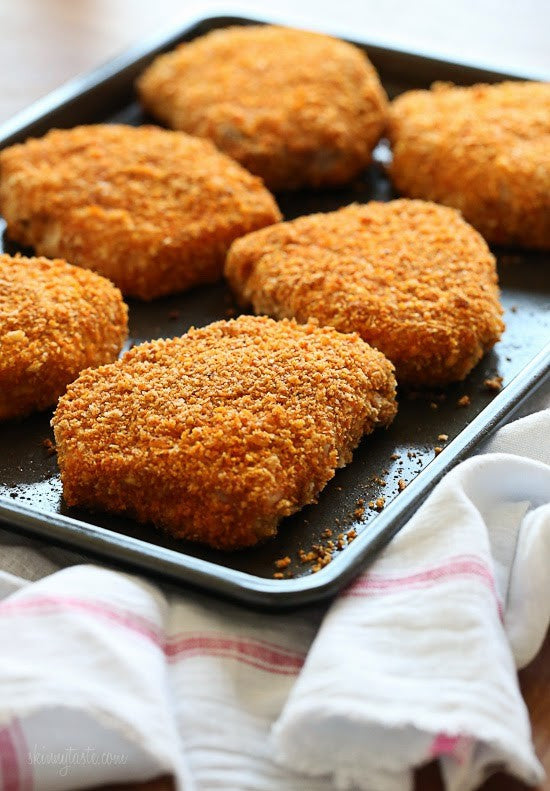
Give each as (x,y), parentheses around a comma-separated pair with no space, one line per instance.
(50,447)
(493,384)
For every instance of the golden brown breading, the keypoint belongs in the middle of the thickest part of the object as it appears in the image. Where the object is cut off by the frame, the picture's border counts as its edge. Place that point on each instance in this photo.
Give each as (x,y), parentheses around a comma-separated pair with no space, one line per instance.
(412,278)
(152,210)
(217,435)
(484,150)
(296,108)
(55,320)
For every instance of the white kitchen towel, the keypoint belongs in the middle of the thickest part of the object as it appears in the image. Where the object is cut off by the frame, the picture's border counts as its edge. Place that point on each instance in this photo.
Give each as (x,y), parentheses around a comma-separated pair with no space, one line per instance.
(413,660)
(103,678)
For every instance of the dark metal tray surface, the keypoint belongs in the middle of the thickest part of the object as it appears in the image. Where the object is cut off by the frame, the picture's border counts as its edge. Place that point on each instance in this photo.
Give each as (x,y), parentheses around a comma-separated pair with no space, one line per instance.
(30,489)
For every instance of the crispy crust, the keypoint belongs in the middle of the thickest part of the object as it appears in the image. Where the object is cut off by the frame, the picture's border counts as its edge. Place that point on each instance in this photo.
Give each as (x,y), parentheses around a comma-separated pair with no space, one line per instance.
(412,278)
(296,108)
(484,150)
(55,320)
(152,210)
(217,435)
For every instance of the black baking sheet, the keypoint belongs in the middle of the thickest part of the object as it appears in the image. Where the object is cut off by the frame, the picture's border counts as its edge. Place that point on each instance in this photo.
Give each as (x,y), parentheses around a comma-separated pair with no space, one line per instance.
(30,490)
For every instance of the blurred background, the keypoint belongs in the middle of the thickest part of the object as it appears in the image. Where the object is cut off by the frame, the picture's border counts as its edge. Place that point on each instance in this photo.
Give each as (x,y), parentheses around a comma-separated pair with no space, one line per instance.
(46,42)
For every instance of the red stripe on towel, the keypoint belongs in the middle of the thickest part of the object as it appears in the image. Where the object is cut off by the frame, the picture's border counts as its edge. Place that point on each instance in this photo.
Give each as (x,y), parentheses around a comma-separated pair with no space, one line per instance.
(9,762)
(257,653)
(23,756)
(455,746)
(130,621)
(260,654)
(459,566)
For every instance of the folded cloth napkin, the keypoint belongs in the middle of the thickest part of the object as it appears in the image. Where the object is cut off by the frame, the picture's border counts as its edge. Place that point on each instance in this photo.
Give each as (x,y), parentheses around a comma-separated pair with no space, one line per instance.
(104,678)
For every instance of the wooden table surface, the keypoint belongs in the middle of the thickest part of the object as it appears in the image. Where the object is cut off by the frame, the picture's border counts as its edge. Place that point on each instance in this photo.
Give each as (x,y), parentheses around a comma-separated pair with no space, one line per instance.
(46,42)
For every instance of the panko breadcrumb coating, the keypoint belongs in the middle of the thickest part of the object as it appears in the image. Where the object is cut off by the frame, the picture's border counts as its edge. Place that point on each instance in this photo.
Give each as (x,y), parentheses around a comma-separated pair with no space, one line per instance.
(217,435)
(484,150)
(412,278)
(55,320)
(152,210)
(296,108)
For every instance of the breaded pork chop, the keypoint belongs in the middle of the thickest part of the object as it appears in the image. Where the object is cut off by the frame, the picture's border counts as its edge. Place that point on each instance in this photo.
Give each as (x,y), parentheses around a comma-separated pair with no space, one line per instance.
(296,108)
(484,150)
(152,210)
(412,278)
(55,320)
(217,435)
